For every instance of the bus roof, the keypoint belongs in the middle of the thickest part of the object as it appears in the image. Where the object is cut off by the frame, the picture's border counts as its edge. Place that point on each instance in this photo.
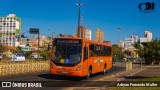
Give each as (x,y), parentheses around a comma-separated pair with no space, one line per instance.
(89,41)
(99,43)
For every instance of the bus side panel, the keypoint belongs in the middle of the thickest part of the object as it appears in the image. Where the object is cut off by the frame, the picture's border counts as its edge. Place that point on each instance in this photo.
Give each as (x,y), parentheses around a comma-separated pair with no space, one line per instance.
(90,62)
(85,67)
(95,65)
(102,63)
(109,63)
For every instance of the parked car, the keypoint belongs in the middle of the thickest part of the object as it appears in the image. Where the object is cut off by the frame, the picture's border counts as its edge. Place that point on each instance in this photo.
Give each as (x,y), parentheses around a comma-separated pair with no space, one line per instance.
(1,56)
(18,57)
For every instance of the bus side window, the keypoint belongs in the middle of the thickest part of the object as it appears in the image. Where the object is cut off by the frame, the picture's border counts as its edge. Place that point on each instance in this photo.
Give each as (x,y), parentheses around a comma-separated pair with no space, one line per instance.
(91,52)
(85,53)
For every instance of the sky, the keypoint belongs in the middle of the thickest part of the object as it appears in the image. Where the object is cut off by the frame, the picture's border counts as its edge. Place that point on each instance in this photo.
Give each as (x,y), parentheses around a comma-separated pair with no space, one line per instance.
(61,16)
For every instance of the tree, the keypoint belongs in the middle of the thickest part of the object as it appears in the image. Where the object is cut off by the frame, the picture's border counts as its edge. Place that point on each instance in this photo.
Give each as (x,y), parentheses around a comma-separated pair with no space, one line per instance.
(126,53)
(18,50)
(2,48)
(150,51)
(117,52)
(28,53)
(44,52)
(140,49)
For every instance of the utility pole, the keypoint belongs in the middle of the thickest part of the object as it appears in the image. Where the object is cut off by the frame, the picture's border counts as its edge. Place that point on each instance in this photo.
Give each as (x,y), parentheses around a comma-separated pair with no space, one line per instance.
(119,37)
(38,46)
(79,14)
(52,35)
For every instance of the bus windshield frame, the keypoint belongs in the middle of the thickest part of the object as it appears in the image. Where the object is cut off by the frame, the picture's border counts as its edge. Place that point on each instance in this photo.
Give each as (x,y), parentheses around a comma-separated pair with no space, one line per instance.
(67,52)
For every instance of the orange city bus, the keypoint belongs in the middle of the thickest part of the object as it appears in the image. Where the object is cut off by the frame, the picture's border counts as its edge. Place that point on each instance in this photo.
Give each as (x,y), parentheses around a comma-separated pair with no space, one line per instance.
(73,56)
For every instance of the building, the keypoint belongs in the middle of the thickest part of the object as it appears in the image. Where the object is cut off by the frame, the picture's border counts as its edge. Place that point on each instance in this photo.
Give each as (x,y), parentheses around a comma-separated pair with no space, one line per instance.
(88,34)
(148,35)
(143,40)
(24,48)
(43,41)
(128,42)
(23,41)
(81,32)
(99,35)
(135,39)
(10,28)
(121,44)
(9,51)
(33,42)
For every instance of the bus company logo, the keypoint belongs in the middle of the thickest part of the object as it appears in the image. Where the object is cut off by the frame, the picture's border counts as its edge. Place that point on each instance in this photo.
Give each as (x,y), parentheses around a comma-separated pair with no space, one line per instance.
(95,61)
(98,61)
(147,7)
(6,84)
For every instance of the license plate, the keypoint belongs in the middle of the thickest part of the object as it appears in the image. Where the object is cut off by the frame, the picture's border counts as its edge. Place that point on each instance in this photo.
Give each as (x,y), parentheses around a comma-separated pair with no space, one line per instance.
(64,71)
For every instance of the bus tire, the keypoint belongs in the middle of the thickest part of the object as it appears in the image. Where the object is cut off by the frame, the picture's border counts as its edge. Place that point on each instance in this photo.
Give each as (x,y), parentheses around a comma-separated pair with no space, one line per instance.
(89,73)
(104,69)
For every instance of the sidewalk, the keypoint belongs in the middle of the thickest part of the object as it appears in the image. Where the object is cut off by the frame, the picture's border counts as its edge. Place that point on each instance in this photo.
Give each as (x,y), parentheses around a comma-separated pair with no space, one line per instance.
(120,76)
(115,76)
(133,75)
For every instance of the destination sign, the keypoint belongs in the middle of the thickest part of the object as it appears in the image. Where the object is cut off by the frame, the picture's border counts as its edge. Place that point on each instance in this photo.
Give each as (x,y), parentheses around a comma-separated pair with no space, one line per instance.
(57,41)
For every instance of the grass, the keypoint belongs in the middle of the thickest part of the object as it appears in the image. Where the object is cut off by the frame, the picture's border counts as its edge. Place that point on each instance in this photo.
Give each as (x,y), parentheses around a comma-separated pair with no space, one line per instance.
(135,88)
(147,79)
(151,66)
(154,78)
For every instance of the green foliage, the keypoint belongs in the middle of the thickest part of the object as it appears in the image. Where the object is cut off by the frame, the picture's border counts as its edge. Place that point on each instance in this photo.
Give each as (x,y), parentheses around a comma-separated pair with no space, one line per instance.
(2,48)
(126,52)
(44,52)
(150,51)
(18,50)
(28,53)
(117,52)
(153,78)
(140,49)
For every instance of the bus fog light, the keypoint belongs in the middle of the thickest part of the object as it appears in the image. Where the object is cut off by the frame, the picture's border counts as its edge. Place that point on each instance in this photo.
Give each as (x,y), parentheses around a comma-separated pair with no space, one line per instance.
(79,67)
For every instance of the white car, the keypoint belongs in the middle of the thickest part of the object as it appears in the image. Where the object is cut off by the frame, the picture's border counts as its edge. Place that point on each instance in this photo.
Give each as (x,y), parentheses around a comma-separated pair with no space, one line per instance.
(1,56)
(18,57)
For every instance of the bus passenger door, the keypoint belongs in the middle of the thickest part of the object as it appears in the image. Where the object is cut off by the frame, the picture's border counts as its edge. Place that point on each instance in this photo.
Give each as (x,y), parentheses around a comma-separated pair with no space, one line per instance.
(85,60)
(85,57)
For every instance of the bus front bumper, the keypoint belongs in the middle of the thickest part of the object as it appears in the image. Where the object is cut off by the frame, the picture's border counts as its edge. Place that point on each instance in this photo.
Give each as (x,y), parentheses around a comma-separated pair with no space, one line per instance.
(66,72)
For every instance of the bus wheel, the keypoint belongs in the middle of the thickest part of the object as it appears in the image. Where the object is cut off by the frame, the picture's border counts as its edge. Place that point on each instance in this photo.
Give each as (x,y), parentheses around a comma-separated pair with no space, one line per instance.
(104,70)
(89,73)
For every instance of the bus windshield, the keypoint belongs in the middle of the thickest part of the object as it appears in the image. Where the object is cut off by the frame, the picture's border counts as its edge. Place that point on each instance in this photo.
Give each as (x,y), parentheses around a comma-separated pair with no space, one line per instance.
(67,53)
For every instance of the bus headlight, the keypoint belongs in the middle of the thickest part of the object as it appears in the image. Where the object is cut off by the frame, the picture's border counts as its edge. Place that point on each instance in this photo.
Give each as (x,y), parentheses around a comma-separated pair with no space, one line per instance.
(51,66)
(79,67)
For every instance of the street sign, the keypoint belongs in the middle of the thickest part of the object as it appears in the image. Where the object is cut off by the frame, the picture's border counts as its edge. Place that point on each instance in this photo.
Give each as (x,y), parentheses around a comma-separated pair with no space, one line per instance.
(34,30)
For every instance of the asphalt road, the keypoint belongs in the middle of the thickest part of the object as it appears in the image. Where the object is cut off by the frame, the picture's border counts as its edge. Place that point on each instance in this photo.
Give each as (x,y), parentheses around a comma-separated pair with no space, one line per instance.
(57,83)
